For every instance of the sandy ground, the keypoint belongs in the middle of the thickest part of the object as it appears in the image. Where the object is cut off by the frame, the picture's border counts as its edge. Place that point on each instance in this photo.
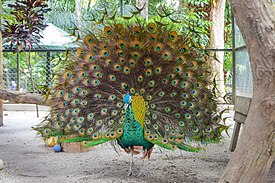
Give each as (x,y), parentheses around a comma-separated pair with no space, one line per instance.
(27,160)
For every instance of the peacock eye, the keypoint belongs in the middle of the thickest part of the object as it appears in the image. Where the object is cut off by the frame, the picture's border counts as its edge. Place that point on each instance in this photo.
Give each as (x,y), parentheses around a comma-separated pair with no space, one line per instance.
(132,90)
(132,63)
(148,72)
(182,103)
(142,91)
(158,70)
(151,83)
(121,53)
(187,116)
(177,115)
(172,94)
(181,123)
(161,94)
(184,95)
(195,129)
(140,79)
(167,109)
(190,104)
(118,67)
(114,112)
(122,61)
(126,70)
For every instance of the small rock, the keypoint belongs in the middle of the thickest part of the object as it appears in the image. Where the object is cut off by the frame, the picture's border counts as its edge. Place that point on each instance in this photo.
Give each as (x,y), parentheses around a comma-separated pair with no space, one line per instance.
(1,164)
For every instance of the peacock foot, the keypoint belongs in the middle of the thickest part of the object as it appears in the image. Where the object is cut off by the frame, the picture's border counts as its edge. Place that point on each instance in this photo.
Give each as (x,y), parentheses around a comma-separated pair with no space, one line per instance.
(141,173)
(141,170)
(130,173)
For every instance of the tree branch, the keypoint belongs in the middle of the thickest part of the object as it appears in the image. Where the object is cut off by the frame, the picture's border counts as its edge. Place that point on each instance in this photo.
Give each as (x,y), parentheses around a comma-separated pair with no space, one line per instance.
(20,97)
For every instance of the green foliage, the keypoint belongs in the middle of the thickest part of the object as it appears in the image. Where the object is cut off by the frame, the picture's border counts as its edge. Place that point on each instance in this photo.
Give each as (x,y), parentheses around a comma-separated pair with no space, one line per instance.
(228,32)
(200,3)
(227,67)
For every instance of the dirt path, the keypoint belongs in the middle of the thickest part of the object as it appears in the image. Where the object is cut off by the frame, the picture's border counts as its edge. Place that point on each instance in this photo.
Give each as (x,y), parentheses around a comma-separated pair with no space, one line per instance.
(28,160)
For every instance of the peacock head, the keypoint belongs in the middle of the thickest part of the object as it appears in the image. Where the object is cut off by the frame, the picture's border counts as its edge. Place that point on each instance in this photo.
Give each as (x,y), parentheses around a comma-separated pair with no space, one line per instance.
(127,98)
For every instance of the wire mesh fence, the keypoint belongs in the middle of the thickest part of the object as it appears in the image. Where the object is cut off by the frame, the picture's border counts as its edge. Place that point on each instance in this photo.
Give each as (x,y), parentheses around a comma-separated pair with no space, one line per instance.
(39,74)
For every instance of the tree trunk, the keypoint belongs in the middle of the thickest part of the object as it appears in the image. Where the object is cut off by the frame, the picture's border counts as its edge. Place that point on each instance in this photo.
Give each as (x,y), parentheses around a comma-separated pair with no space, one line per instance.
(255,151)
(78,12)
(1,67)
(140,4)
(217,42)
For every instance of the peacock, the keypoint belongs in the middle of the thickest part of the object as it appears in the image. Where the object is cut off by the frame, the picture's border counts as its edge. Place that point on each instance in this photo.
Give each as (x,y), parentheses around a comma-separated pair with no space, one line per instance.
(139,83)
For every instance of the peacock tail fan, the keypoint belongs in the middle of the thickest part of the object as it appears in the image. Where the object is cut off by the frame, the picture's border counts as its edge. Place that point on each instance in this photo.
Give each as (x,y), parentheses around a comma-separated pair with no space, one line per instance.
(167,76)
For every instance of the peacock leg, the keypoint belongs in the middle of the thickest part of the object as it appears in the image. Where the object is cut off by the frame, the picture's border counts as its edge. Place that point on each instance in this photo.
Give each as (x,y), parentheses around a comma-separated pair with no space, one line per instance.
(131,161)
(141,170)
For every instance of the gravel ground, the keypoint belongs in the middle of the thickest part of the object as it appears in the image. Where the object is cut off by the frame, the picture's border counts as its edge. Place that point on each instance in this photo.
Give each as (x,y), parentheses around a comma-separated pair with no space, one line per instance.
(27,160)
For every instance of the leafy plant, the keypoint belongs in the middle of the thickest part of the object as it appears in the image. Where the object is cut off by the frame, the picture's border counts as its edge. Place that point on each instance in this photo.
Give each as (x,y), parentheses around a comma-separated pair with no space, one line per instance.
(26,21)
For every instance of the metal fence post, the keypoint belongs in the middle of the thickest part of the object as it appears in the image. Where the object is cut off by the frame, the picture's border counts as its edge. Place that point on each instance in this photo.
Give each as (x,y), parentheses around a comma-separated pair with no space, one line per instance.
(233,60)
(48,69)
(18,71)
